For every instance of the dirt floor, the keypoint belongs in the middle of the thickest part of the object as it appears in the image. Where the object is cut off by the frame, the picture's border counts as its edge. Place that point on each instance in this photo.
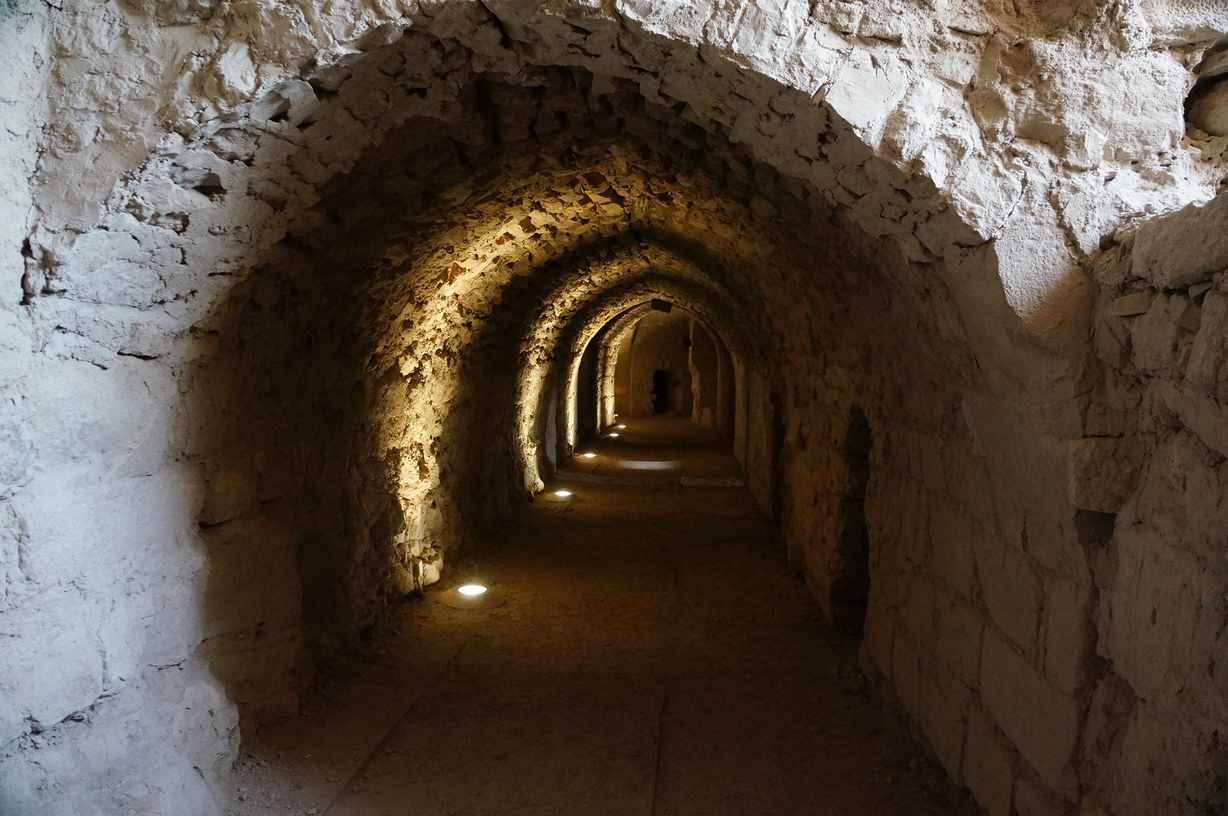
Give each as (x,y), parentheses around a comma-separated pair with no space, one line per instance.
(643,649)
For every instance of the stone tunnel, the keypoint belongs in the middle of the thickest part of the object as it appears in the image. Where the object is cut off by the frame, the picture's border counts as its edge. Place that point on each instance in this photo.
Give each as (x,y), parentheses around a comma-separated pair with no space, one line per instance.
(299,298)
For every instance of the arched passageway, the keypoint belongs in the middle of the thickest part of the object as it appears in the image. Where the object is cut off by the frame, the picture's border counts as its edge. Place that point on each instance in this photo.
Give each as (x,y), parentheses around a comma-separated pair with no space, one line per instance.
(668,362)
(640,648)
(650,359)
(300,316)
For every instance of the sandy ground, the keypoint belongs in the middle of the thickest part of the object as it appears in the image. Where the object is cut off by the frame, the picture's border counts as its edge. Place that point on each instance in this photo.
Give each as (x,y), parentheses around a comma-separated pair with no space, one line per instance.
(648,651)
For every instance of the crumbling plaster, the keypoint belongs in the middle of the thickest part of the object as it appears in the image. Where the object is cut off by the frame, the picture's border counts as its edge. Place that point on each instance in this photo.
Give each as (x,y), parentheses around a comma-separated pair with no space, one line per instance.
(184,390)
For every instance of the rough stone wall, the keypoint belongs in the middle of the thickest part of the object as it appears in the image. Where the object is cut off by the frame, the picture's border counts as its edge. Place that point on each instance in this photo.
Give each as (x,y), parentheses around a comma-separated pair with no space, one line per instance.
(612,364)
(705,364)
(169,361)
(1148,479)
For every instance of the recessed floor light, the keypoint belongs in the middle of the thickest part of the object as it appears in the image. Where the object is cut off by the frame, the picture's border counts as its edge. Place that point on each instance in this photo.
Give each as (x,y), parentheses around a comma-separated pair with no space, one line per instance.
(562,494)
(473,597)
(614,434)
(589,455)
(622,427)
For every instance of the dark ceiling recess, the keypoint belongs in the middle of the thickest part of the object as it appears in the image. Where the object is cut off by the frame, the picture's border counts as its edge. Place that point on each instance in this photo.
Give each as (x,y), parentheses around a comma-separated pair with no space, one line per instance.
(1206,107)
(662,305)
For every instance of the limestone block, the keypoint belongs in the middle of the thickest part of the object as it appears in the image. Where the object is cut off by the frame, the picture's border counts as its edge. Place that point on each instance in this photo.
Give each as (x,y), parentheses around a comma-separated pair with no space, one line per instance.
(1068,636)
(1197,291)
(1111,267)
(233,77)
(867,91)
(1056,419)
(1010,588)
(1198,412)
(1187,314)
(88,416)
(930,461)
(1170,756)
(943,718)
(1185,247)
(958,630)
(292,101)
(1208,365)
(1102,472)
(956,65)
(909,129)
(767,31)
(143,750)
(1182,21)
(1134,303)
(16,455)
(944,232)
(974,490)
(108,267)
(261,670)
(176,12)
(1181,500)
(1031,800)
(1040,281)
(818,57)
(877,636)
(1157,337)
(1162,605)
(952,533)
(149,340)
(1111,411)
(987,765)
(906,673)
(1082,207)
(1041,722)
(917,608)
(984,193)
(912,546)
(50,664)
(170,610)
(13,583)
(242,553)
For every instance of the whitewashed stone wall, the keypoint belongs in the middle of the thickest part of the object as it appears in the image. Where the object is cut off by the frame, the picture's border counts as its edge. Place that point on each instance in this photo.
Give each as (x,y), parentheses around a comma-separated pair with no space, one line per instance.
(196,298)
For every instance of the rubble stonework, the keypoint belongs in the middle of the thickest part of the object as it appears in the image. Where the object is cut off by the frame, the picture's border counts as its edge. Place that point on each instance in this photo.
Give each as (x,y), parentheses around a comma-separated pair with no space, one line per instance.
(292,288)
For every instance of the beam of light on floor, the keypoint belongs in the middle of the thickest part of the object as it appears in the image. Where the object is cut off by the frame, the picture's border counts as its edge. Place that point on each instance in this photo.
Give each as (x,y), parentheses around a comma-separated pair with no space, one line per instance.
(650,465)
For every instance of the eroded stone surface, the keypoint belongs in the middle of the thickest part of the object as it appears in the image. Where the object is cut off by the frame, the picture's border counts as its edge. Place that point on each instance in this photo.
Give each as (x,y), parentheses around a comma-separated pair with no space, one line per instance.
(271,268)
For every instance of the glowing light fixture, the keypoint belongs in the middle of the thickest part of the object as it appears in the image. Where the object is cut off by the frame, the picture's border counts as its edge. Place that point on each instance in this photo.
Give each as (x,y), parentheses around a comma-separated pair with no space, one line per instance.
(614,434)
(562,494)
(472,597)
(589,455)
(622,427)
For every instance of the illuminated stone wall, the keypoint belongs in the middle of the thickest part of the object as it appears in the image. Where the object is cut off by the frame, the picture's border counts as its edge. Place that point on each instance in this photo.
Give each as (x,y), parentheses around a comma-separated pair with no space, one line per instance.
(294,290)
